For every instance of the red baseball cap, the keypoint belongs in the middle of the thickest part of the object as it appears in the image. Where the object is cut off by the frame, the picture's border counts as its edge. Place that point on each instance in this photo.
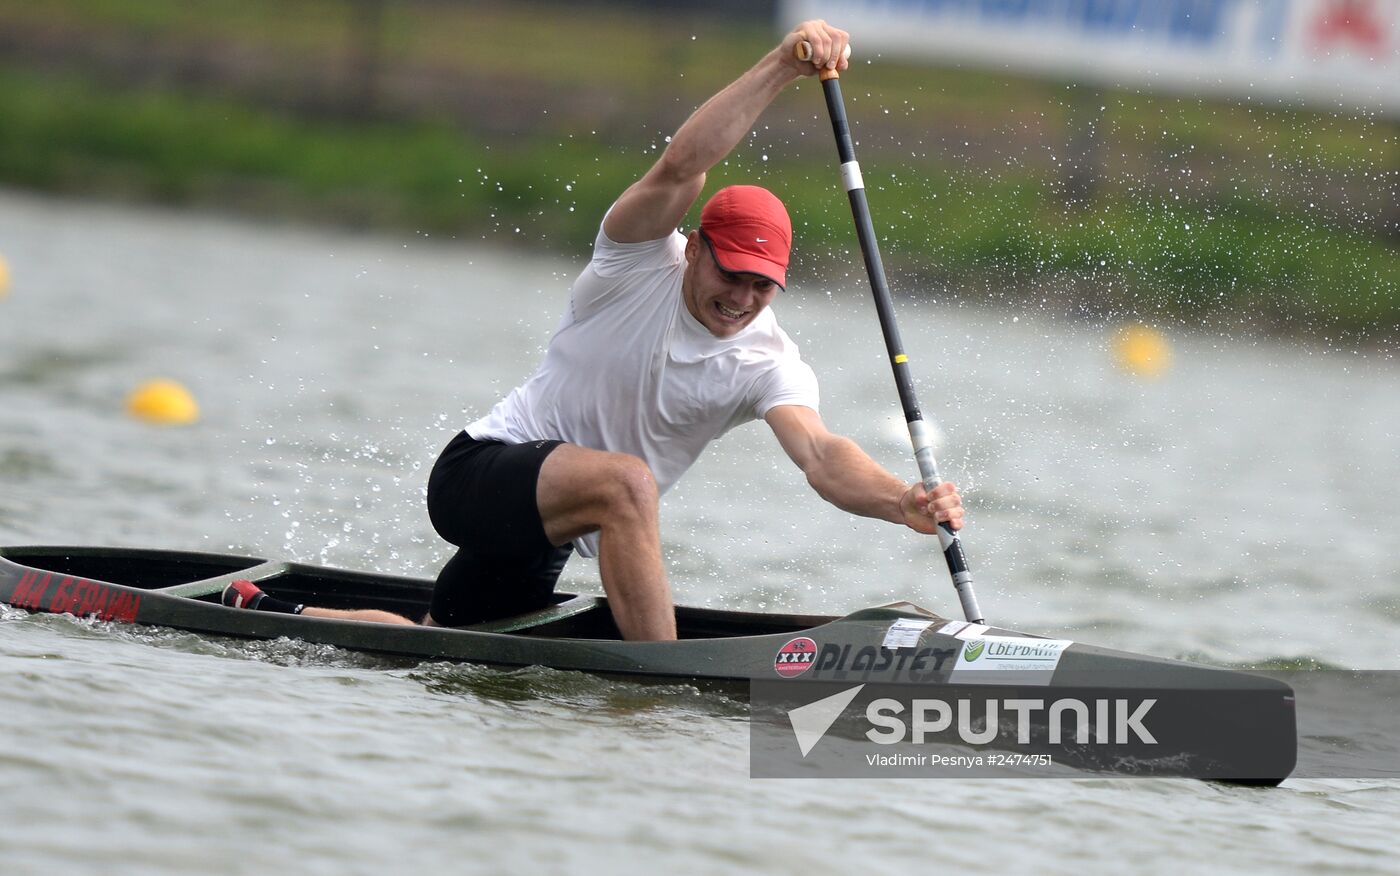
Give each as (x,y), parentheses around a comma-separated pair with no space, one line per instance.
(749,231)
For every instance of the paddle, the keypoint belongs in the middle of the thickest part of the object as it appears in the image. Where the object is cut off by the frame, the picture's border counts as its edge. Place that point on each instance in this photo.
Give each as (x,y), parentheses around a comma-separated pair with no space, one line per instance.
(919,433)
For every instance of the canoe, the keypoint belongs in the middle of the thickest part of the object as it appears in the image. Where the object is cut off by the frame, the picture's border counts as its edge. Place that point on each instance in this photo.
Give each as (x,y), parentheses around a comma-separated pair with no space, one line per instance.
(1238,725)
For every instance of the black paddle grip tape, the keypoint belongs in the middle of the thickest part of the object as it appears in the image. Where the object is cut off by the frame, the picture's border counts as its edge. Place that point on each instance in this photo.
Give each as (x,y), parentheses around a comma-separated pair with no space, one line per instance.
(957,560)
(836,109)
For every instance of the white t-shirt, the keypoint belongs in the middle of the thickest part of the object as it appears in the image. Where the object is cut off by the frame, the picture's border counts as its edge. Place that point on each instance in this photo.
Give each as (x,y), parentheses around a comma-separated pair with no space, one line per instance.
(631,371)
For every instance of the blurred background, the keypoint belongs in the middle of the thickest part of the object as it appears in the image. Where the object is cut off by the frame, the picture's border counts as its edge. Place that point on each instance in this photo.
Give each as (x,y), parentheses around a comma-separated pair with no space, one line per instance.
(1199,161)
(1147,257)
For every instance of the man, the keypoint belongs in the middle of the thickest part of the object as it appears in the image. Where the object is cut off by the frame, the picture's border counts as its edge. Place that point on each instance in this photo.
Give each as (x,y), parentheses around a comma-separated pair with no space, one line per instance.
(668,342)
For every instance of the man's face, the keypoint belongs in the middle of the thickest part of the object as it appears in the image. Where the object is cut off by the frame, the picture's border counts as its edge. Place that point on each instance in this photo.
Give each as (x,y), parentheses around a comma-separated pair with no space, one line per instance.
(722,301)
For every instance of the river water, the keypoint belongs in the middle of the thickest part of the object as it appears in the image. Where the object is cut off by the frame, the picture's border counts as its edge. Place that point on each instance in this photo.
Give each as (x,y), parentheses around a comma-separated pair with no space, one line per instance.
(1237,510)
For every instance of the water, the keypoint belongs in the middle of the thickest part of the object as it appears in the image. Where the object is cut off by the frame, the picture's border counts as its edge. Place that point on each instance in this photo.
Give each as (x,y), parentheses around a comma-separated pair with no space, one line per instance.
(1236,510)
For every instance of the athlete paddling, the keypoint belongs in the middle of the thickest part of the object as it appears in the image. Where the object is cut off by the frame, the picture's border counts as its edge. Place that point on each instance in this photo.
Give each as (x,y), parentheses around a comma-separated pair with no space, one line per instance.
(667,343)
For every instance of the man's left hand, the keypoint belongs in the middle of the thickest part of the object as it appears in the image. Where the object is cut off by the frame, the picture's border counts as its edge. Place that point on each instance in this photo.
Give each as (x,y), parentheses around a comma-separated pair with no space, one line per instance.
(923,511)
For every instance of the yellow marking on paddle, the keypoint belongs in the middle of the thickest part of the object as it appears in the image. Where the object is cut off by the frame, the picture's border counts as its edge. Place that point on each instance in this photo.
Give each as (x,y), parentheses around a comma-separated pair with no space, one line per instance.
(901,359)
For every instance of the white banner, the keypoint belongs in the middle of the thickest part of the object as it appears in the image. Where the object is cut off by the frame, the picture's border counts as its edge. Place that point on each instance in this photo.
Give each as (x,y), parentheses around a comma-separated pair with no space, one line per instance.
(1340,54)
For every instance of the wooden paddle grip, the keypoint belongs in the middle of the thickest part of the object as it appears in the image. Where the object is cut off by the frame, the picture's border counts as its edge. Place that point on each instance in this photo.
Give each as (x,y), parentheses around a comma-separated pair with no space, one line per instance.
(803,52)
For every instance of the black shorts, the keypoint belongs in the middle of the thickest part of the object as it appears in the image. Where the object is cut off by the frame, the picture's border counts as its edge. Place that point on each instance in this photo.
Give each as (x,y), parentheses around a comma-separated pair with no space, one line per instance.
(481,497)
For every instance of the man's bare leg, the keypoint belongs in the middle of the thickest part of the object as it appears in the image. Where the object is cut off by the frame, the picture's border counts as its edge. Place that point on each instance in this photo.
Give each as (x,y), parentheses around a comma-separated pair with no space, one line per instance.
(246,594)
(373,615)
(582,491)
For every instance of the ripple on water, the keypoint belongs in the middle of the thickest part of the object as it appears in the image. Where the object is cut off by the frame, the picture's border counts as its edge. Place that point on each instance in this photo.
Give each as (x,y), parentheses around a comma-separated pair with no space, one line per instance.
(168,751)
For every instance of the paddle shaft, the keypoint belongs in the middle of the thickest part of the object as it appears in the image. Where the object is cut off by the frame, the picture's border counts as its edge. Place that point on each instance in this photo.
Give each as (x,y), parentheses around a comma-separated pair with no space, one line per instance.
(920,435)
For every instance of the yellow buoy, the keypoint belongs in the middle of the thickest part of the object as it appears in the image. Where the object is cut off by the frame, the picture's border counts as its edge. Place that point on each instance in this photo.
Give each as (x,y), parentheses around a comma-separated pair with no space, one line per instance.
(163,402)
(4,277)
(1141,350)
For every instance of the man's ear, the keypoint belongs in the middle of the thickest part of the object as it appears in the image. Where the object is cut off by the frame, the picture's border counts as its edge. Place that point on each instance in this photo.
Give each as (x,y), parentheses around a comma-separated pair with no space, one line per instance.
(692,247)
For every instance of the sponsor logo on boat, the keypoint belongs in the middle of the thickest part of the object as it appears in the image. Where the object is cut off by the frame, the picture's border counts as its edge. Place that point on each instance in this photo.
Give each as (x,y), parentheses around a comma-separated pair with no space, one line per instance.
(795,657)
(36,591)
(1010,653)
(844,661)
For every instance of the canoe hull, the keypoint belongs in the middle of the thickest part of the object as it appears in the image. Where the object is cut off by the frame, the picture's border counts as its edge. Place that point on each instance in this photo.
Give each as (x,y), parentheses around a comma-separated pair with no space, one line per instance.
(1243,722)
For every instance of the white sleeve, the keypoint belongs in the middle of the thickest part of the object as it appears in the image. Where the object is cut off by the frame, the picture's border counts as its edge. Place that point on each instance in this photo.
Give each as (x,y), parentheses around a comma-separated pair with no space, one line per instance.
(790,382)
(617,268)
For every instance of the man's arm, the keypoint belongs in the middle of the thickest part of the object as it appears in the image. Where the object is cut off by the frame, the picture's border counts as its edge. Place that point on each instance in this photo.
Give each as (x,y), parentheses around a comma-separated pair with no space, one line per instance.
(654,205)
(848,478)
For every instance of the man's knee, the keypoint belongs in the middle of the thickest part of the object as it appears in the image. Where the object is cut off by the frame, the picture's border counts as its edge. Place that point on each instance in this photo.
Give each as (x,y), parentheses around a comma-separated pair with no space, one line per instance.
(581,490)
(628,486)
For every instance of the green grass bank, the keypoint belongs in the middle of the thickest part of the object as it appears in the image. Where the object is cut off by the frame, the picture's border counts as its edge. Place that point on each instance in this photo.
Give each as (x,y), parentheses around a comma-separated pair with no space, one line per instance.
(1248,219)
